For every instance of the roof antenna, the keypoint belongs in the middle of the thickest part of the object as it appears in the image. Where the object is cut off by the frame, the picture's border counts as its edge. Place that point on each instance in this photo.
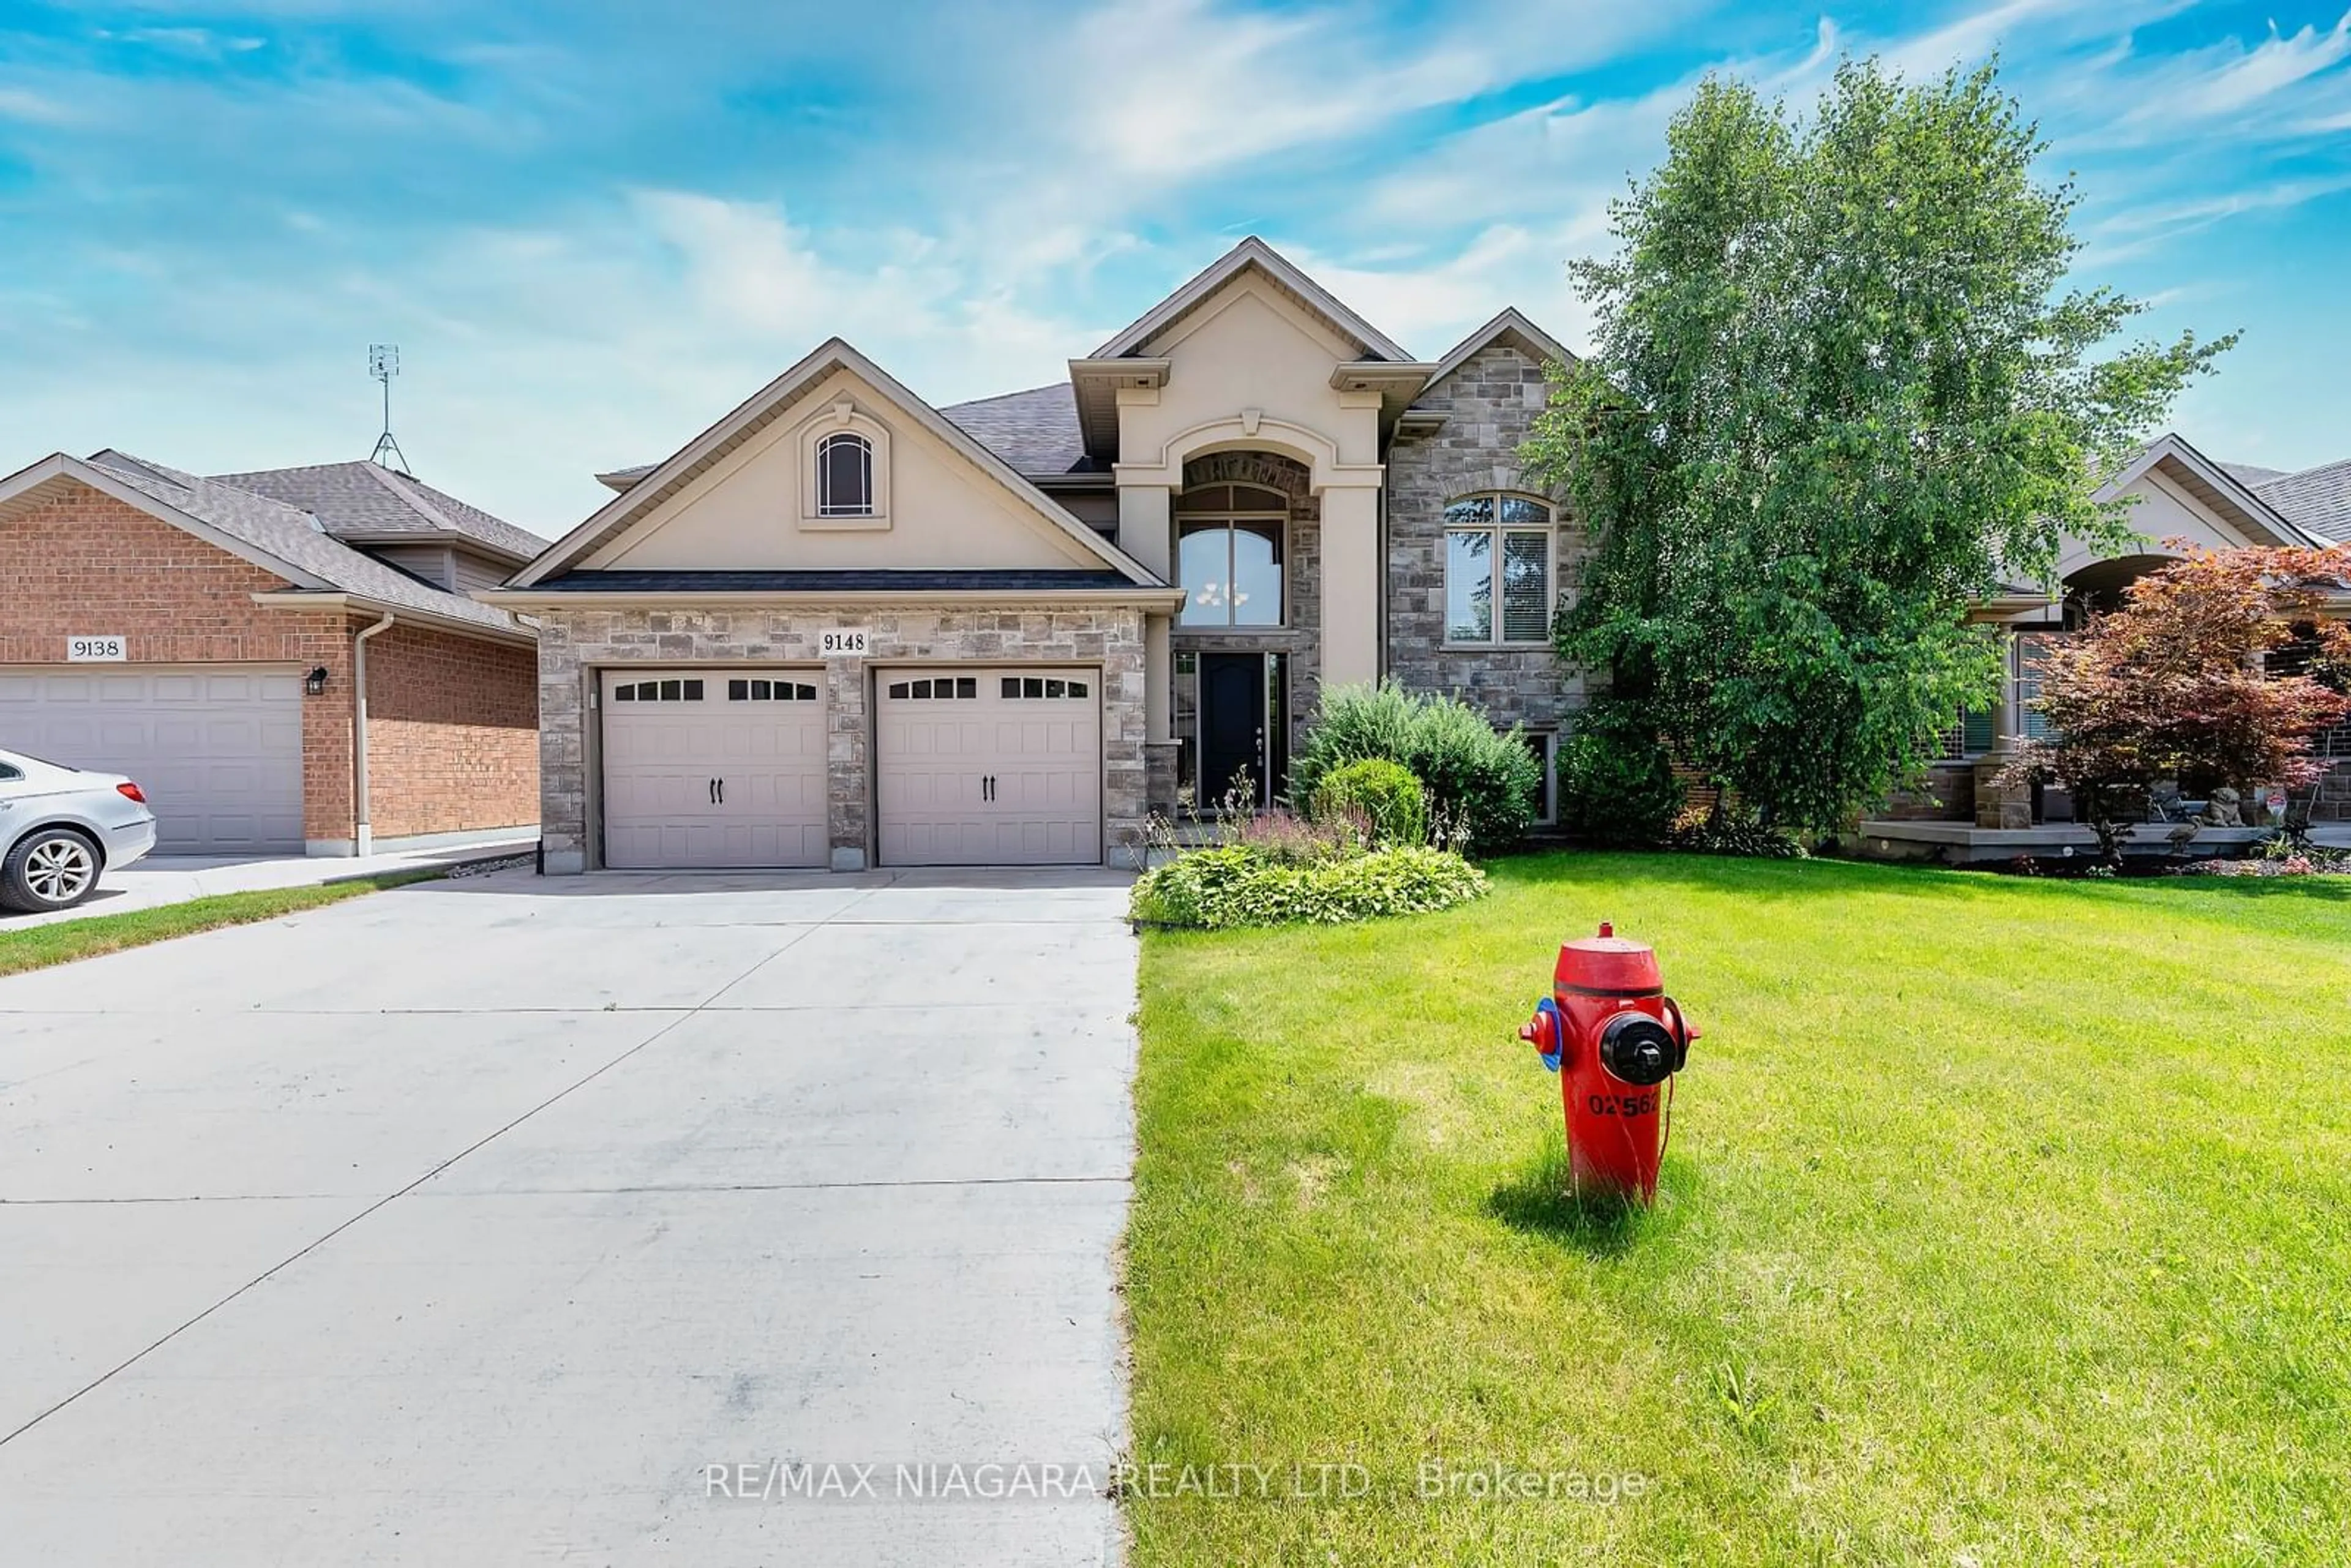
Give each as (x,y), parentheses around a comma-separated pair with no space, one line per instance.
(384,363)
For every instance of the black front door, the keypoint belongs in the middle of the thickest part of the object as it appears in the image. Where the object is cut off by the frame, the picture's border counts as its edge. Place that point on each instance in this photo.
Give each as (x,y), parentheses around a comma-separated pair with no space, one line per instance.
(1232,725)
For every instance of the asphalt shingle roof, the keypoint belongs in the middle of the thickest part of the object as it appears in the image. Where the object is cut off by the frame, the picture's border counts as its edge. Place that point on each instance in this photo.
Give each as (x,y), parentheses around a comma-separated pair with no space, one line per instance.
(291,535)
(2317,500)
(1035,432)
(367,501)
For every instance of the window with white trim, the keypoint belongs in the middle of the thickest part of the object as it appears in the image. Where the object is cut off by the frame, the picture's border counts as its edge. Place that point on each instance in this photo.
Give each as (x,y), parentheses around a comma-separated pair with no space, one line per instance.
(844,476)
(1498,571)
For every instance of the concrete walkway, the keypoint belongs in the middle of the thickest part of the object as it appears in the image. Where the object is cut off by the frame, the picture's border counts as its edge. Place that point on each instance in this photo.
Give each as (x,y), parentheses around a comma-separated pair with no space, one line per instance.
(488,1221)
(176,879)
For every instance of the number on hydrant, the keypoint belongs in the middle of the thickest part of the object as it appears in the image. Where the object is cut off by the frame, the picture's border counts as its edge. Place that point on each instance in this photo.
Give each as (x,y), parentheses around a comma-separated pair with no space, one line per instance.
(1613,1037)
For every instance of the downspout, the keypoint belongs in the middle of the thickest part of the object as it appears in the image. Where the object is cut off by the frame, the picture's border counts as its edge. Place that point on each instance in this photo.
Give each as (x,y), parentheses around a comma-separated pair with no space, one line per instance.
(363,838)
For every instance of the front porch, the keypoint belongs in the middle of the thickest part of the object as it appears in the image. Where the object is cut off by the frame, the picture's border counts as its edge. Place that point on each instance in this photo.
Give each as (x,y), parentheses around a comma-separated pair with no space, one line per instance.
(1964,844)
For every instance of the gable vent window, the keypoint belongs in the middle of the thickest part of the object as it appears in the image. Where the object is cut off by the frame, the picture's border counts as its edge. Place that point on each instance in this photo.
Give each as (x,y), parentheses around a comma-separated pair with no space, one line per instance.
(770,692)
(844,476)
(952,688)
(658,692)
(1498,571)
(1032,688)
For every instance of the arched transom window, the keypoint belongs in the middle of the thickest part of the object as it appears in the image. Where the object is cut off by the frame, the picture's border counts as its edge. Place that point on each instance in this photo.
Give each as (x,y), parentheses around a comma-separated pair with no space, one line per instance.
(1497,570)
(844,476)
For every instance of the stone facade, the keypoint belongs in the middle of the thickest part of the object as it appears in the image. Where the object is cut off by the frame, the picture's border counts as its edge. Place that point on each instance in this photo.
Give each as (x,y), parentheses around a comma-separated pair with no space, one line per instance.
(1489,404)
(574,645)
(2334,802)
(450,721)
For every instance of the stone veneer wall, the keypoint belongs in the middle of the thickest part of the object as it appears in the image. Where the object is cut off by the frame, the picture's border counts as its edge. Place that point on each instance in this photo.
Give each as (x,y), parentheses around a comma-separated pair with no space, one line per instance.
(574,643)
(1490,404)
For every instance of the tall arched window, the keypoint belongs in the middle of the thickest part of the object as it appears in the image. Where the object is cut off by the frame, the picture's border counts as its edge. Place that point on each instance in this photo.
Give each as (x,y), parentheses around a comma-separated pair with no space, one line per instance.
(844,476)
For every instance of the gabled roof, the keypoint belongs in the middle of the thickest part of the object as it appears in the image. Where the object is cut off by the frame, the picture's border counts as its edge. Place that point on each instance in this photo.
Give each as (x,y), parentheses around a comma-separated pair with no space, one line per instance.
(366,501)
(768,404)
(1508,326)
(1035,431)
(2317,500)
(273,535)
(1253,253)
(2211,484)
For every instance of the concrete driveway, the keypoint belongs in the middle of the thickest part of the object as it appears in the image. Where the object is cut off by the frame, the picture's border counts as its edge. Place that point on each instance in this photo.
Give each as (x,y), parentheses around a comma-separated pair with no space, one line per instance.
(508,1220)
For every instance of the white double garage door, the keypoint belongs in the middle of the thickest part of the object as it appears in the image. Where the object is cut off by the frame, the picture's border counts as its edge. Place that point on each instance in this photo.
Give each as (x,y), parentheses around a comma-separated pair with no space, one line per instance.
(715,767)
(216,749)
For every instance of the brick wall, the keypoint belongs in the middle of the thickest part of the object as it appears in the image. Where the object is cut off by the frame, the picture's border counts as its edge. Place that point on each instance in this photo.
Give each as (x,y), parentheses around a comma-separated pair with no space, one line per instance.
(1489,405)
(453,741)
(453,733)
(85,562)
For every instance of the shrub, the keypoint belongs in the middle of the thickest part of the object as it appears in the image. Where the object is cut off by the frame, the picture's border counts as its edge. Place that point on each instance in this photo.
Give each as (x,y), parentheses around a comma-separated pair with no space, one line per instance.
(1734,835)
(1384,795)
(1215,889)
(1482,784)
(1616,783)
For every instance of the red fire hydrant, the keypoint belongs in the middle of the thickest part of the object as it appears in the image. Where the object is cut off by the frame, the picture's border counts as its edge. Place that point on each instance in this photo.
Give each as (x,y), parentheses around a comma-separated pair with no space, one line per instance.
(1615,1040)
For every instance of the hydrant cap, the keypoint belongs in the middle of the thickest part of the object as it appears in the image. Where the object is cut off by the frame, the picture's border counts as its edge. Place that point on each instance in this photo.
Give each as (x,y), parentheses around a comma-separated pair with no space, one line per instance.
(1608,965)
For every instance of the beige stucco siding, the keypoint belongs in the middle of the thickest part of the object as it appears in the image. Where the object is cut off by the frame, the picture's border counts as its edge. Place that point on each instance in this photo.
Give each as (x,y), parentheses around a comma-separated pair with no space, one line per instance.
(1250,349)
(747,511)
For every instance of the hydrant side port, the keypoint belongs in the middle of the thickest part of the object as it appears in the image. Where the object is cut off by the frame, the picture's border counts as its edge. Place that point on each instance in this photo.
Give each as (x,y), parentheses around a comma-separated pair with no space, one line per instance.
(1613,1037)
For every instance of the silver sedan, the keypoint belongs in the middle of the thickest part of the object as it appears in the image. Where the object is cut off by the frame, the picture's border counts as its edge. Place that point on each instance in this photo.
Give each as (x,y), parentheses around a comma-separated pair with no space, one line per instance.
(59,827)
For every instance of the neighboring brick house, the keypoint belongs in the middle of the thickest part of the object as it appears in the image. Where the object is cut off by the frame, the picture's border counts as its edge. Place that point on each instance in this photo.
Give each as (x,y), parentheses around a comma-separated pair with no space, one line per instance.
(201,635)
(842,627)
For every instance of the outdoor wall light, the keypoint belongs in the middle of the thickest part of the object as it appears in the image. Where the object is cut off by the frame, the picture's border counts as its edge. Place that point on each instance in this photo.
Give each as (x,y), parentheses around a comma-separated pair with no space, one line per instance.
(316,681)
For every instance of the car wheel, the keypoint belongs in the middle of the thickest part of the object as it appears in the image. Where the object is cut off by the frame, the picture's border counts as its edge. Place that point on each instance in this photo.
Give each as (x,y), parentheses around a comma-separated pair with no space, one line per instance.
(53,868)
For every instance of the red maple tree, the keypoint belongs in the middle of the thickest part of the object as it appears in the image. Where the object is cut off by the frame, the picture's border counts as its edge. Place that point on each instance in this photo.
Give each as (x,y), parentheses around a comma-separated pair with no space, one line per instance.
(2175,684)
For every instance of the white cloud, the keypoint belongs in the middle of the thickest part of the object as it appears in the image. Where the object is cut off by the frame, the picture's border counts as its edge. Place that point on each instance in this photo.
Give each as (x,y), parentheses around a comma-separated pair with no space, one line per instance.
(35,109)
(2279,63)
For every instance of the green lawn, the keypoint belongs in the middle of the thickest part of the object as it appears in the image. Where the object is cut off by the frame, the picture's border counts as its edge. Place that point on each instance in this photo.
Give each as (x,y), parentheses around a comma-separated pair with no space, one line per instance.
(38,947)
(2004,1221)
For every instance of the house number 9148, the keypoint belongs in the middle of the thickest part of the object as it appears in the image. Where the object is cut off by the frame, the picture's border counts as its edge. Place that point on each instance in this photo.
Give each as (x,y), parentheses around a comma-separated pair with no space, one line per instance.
(842,643)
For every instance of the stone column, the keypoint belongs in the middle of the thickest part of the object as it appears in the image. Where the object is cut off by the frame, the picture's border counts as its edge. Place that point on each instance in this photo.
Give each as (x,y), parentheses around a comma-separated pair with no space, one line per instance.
(1351,585)
(1159,745)
(563,689)
(846,763)
(1999,805)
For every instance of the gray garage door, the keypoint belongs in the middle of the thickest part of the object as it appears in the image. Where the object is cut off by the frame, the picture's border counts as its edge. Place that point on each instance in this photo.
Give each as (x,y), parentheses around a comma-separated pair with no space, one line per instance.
(217,748)
(714,768)
(1000,767)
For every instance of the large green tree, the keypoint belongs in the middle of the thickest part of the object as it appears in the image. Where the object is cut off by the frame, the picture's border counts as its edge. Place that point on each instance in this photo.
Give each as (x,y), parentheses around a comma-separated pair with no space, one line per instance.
(1840,387)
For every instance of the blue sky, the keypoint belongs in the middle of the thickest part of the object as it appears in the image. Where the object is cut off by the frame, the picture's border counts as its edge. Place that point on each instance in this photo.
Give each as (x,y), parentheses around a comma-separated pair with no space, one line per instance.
(592,226)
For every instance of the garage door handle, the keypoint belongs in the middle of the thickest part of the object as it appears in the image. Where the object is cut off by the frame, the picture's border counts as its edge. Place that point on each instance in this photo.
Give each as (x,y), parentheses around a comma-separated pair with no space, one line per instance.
(987,787)
(722,792)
